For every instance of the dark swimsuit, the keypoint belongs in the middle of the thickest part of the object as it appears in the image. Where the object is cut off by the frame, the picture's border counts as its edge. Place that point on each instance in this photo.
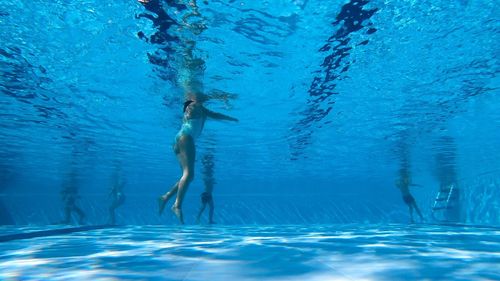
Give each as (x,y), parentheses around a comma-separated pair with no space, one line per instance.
(408,199)
(206,197)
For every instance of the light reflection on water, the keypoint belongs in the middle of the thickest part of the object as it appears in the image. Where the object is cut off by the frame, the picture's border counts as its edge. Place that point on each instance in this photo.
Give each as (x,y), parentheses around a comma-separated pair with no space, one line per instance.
(290,252)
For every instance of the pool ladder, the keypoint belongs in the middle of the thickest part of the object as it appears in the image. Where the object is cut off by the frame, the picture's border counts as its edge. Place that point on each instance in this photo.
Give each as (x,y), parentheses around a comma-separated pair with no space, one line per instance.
(445,201)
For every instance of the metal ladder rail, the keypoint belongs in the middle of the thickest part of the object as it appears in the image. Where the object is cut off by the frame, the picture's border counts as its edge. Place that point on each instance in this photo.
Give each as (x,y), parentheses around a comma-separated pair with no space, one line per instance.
(443,201)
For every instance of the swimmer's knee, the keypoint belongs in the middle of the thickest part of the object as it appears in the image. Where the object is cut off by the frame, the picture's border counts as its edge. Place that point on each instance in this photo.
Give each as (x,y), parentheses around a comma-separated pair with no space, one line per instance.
(188,176)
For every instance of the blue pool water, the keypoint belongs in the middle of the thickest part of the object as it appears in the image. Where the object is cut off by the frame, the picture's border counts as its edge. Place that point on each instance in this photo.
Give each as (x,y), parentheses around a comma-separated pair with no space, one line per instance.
(348,111)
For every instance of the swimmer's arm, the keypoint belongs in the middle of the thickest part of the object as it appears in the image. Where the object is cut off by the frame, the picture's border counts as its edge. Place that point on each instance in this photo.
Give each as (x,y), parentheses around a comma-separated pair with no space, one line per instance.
(219,116)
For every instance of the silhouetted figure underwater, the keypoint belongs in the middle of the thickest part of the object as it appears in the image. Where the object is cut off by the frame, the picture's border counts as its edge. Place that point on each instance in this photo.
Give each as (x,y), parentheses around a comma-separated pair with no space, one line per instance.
(209,181)
(189,77)
(195,115)
(117,199)
(69,194)
(404,184)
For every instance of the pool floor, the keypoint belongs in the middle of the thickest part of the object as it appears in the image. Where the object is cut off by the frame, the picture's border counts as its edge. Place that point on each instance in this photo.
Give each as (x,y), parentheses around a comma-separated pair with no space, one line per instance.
(275,252)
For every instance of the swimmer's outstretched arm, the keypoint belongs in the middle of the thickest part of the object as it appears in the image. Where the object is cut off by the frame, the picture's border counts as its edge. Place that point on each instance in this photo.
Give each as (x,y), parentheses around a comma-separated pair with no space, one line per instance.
(219,116)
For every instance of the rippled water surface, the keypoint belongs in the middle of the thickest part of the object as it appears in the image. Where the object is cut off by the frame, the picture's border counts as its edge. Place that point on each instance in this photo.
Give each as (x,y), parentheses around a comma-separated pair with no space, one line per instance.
(286,252)
(333,91)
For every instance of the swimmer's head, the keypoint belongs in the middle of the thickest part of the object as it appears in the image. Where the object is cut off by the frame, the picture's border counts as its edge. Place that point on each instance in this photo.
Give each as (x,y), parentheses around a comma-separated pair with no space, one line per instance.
(186,104)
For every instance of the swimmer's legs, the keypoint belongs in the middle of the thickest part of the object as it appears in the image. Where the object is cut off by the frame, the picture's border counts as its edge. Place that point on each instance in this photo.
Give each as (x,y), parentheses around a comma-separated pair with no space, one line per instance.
(200,212)
(186,157)
(165,197)
(418,211)
(211,211)
(112,208)
(210,204)
(410,207)
(112,216)
(67,214)
(81,215)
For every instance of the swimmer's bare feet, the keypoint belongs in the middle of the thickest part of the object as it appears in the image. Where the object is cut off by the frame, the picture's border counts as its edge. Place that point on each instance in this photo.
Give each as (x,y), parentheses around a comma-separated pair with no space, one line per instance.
(178,213)
(161,204)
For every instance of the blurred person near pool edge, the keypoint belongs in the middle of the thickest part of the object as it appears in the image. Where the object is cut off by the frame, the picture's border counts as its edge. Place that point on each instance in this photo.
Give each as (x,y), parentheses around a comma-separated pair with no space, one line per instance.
(190,79)
(117,196)
(69,194)
(209,181)
(404,184)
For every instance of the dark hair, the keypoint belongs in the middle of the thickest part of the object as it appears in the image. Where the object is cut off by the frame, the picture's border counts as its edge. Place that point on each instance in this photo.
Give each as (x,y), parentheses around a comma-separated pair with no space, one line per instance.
(186,104)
